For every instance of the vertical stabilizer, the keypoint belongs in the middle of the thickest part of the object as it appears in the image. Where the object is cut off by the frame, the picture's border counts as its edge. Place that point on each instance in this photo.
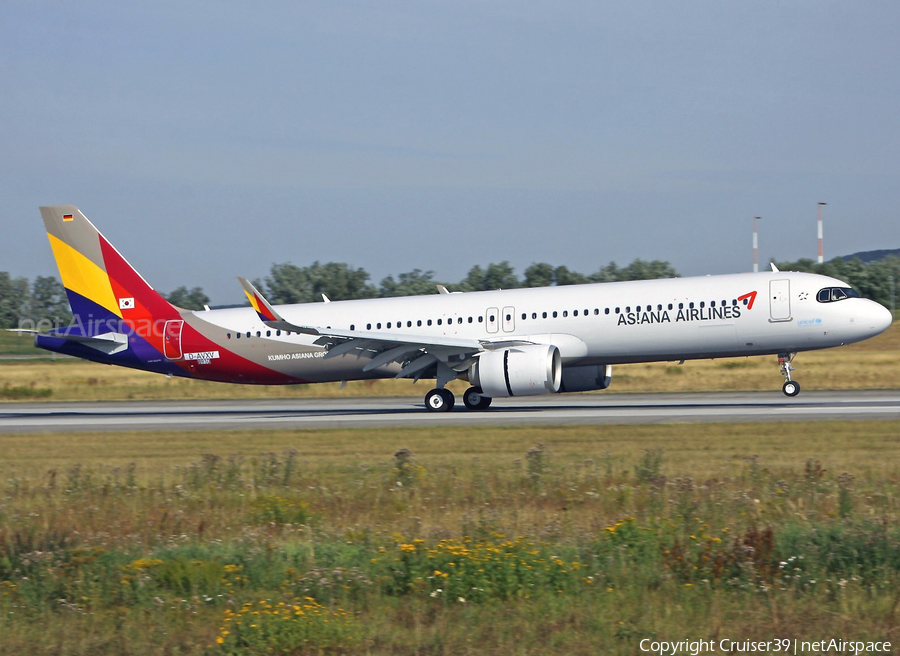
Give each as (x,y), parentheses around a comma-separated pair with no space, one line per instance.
(103,289)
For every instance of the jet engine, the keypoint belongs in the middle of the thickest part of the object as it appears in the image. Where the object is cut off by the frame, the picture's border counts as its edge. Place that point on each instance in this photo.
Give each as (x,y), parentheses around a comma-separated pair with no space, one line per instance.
(518,371)
(586,378)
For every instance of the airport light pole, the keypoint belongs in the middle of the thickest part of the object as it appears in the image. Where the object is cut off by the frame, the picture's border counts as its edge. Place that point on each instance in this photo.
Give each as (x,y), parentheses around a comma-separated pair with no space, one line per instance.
(755,246)
(821,252)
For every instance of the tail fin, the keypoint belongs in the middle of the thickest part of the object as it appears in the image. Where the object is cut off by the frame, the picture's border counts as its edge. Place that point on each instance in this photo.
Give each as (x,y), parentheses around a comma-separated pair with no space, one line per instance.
(103,289)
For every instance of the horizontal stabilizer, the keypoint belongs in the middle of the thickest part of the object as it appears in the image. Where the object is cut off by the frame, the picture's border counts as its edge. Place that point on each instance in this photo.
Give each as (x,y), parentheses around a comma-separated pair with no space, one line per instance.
(109,343)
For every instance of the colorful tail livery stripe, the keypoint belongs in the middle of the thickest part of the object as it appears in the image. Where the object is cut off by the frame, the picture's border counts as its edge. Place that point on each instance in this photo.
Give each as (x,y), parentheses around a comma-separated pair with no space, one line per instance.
(121,319)
(102,287)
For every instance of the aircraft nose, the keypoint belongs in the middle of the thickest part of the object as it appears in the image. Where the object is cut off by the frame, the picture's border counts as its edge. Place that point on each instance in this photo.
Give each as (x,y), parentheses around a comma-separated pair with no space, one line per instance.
(878,318)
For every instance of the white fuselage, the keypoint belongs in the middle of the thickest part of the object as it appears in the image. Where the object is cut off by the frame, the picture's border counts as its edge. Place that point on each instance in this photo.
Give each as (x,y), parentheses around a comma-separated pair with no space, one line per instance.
(603,323)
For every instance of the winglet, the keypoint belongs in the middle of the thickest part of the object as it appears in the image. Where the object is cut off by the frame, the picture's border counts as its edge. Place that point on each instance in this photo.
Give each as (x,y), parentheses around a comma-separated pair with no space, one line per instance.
(774,268)
(265,311)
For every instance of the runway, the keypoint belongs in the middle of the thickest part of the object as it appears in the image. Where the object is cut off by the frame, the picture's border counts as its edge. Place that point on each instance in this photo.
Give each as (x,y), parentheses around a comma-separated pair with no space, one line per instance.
(380,412)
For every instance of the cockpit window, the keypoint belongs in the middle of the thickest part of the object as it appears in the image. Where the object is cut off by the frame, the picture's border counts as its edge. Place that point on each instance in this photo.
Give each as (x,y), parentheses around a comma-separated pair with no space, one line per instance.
(831,294)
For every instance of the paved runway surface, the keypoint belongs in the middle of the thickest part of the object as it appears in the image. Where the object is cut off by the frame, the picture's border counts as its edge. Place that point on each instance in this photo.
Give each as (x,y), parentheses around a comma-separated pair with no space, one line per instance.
(363,412)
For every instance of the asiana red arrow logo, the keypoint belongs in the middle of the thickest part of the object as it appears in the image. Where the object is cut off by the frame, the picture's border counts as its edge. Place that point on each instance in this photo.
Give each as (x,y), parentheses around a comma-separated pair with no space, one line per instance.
(751,296)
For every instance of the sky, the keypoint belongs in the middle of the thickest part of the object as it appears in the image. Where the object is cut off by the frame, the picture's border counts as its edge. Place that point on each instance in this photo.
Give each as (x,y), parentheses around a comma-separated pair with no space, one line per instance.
(211,139)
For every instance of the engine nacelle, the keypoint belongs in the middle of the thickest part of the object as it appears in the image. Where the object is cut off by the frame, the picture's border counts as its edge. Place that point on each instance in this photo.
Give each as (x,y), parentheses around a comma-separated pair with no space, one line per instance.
(518,371)
(586,378)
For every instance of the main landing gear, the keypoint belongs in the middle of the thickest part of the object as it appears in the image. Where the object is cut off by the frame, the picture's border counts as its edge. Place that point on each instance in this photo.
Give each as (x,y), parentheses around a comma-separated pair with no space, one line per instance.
(442,400)
(790,387)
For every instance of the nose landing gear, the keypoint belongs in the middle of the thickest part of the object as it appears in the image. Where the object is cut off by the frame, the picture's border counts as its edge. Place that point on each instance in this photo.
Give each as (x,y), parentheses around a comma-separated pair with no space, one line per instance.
(790,387)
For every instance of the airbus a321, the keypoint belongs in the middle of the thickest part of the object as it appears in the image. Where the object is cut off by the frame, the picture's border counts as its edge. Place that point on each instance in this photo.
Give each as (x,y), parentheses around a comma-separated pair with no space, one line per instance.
(505,343)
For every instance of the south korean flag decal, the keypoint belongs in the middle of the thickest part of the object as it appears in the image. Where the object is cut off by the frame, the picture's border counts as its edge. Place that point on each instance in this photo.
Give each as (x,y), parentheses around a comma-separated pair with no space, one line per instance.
(126,303)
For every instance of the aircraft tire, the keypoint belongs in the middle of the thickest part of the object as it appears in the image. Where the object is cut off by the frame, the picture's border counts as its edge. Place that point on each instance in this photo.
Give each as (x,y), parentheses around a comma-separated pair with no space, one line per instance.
(475,399)
(439,400)
(791,388)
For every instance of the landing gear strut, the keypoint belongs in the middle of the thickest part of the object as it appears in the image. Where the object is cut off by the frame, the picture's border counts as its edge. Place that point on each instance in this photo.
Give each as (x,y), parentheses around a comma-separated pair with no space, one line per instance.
(440,400)
(475,399)
(790,387)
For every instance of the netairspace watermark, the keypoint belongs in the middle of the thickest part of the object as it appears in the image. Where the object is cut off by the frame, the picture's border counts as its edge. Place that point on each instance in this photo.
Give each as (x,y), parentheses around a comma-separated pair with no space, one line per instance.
(783,645)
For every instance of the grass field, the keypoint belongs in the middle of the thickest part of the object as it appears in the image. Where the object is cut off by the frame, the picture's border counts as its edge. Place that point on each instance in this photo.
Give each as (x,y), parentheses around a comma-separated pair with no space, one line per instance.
(569,540)
(873,364)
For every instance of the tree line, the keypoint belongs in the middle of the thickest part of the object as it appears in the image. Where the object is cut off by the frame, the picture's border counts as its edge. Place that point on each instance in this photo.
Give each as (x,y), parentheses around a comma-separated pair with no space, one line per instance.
(874,280)
(289,283)
(44,299)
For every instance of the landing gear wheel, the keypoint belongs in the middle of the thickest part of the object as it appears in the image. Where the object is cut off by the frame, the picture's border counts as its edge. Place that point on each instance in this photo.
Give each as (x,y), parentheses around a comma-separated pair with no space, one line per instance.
(440,400)
(475,399)
(791,388)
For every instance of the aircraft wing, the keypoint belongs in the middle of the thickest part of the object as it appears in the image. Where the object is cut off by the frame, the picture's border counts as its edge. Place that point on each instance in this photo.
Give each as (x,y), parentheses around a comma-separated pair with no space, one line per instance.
(416,353)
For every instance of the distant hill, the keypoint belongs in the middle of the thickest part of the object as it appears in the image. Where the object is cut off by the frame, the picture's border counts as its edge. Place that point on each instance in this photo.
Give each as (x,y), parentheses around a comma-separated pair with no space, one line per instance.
(872,256)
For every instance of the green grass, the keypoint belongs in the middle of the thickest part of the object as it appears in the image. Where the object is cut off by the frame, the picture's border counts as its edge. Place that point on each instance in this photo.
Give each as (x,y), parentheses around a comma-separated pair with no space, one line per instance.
(12,343)
(570,540)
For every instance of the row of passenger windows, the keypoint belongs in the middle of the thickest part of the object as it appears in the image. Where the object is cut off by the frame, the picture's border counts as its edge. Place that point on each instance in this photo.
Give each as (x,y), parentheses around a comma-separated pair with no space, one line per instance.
(555,314)
(551,315)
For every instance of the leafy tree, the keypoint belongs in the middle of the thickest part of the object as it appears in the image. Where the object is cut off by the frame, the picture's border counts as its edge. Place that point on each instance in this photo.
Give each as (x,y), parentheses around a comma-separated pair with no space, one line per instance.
(563,276)
(496,276)
(539,275)
(193,299)
(641,270)
(15,296)
(288,283)
(414,283)
(609,273)
(49,302)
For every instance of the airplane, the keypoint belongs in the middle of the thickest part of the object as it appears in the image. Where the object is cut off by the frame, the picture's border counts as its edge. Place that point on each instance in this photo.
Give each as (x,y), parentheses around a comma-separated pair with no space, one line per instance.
(505,343)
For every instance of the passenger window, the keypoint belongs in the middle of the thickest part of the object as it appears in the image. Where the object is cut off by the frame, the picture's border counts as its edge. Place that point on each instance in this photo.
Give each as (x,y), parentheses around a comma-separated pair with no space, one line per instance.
(606,311)
(543,315)
(248,334)
(524,316)
(439,321)
(429,322)
(368,326)
(554,314)
(480,319)
(493,318)
(388,324)
(227,335)
(575,313)
(237,335)
(378,325)
(459,320)
(419,322)
(691,305)
(565,313)
(470,319)
(534,315)
(702,304)
(278,332)
(268,333)
(681,306)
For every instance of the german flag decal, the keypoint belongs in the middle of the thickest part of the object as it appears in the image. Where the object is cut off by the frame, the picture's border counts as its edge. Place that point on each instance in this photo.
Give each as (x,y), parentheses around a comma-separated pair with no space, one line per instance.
(67,217)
